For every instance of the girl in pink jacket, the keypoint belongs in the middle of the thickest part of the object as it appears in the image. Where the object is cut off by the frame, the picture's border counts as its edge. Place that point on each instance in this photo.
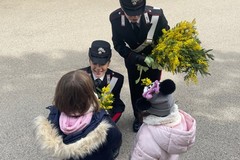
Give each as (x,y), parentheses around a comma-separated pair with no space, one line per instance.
(166,131)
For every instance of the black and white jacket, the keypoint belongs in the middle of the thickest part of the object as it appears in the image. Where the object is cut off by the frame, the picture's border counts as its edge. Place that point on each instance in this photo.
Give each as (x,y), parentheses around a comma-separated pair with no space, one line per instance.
(118,105)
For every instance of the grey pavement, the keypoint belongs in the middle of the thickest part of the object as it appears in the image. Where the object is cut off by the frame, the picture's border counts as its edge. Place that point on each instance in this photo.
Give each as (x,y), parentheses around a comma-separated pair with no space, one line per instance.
(42,40)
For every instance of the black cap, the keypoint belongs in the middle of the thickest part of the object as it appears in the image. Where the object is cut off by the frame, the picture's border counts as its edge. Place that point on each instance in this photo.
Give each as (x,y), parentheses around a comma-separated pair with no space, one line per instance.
(100,52)
(133,7)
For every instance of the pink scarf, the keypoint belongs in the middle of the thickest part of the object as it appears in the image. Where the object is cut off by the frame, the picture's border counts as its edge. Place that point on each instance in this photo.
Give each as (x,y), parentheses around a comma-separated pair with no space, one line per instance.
(70,124)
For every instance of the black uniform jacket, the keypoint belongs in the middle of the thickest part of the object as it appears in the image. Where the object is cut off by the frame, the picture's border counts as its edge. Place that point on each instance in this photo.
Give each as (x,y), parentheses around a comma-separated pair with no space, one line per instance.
(118,105)
(123,37)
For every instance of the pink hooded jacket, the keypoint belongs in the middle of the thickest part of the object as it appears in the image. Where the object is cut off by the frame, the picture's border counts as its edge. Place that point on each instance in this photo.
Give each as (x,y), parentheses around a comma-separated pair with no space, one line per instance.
(164,138)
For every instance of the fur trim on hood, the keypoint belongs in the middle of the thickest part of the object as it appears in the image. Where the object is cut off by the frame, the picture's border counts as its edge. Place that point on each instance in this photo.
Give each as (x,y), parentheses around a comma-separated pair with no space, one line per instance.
(172,119)
(52,143)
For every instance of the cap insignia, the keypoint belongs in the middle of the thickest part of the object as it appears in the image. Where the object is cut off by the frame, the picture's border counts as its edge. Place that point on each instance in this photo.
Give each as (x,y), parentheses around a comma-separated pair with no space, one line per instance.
(134,2)
(101,50)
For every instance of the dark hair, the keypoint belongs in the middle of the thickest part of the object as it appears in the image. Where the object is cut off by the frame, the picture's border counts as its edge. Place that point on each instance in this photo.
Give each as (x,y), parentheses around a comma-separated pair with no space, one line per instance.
(75,93)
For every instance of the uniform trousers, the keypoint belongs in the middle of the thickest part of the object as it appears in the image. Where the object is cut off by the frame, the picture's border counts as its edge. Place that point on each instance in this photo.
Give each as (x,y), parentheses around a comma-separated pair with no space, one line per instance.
(136,90)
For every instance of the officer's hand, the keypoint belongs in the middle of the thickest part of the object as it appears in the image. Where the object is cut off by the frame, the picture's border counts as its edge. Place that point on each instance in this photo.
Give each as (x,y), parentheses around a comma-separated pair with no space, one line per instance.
(135,58)
(149,61)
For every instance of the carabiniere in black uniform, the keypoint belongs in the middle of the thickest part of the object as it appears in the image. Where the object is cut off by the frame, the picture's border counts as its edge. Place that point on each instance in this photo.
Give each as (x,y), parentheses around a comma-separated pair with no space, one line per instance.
(125,41)
(118,105)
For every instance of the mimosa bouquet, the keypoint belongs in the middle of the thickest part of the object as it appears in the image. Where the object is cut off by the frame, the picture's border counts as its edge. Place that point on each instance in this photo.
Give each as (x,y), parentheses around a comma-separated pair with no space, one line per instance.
(106,98)
(179,51)
(146,82)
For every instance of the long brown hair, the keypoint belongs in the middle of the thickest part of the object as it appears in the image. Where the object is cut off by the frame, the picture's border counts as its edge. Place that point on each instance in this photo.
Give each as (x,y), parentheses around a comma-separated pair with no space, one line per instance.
(75,93)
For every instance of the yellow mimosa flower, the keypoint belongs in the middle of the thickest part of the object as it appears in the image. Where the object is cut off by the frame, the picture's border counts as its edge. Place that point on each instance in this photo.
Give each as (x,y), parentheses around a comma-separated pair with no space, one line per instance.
(180,50)
(106,98)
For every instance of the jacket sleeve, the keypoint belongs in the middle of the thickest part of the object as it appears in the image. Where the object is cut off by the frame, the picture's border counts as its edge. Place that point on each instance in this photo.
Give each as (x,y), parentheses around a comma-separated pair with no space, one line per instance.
(118,105)
(139,154)
(114,139)
(144,147)
(118,42)
(162,24)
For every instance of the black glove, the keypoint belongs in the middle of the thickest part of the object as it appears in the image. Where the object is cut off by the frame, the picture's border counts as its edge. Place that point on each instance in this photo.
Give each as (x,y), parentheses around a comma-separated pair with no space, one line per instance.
(135,58)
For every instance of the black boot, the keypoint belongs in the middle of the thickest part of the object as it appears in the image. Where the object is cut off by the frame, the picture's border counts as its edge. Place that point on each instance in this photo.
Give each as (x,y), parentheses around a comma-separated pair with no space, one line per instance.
(136,125)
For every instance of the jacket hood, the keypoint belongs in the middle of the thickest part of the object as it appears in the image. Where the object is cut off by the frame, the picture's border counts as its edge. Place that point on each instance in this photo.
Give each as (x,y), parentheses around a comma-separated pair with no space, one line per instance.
(176,141)
(52,143)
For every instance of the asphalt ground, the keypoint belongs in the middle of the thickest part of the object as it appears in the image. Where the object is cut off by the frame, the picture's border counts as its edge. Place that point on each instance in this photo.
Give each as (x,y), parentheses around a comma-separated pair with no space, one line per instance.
(42,40)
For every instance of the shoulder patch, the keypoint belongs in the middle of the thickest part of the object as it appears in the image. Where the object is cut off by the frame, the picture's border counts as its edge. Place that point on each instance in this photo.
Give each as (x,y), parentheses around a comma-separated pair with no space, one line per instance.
(153,11)
(116,14)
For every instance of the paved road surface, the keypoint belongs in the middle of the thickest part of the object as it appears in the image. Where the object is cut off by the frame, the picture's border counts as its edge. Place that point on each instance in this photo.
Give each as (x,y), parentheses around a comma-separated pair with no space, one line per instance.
(42,40)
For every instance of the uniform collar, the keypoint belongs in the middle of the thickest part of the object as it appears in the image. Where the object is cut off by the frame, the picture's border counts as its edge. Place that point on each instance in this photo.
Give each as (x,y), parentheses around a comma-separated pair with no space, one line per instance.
(94,77)
(138,22)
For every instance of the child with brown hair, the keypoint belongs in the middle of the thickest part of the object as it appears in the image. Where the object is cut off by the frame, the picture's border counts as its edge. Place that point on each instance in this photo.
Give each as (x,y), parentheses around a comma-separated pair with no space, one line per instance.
(76,128)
